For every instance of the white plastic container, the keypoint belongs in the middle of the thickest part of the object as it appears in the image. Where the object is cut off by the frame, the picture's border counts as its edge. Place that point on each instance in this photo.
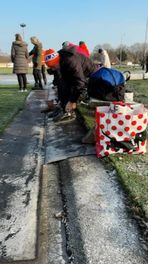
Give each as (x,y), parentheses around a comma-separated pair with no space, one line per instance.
(128,97)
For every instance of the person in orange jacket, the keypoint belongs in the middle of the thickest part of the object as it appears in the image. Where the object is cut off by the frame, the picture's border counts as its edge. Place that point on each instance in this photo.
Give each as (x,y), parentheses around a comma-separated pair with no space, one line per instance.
(43,68)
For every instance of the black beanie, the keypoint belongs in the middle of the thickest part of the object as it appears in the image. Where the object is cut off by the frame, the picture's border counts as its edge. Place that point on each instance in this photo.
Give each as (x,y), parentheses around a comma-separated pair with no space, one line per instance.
(100,50)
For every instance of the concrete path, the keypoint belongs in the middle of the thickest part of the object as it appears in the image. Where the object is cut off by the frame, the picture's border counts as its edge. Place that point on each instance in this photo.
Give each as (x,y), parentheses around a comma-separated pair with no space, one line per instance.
(8,79)
(64,141)
(98,228)
(20,164)
(80,217)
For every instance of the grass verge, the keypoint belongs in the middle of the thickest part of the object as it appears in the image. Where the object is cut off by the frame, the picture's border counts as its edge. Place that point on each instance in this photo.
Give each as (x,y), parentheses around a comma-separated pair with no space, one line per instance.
(11,102)
(8,71)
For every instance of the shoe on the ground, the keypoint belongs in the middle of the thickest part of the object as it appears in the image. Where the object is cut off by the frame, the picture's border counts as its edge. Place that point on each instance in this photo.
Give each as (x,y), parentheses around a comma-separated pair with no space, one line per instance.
(25,90)
(57,111)
(46,110)
(65,117)
(37,87)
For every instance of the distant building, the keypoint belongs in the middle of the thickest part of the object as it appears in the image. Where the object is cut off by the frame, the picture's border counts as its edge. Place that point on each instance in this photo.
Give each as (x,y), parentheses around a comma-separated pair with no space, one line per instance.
(5,62)
(129,63)
(5,59)
(115,61)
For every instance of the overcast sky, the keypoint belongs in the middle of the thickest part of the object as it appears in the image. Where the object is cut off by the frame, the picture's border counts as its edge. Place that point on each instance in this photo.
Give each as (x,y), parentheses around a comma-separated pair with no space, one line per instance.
(93,21)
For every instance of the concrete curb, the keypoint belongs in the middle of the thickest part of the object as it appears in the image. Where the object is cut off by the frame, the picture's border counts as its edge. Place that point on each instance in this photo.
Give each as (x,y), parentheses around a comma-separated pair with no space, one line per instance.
(139,76)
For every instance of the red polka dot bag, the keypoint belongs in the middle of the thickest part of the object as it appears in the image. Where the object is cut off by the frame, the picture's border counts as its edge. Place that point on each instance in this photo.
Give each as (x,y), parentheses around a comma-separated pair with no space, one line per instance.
(121,128)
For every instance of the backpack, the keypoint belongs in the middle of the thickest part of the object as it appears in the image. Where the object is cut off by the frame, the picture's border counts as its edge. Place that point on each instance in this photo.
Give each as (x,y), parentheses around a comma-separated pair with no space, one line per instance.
(107,84)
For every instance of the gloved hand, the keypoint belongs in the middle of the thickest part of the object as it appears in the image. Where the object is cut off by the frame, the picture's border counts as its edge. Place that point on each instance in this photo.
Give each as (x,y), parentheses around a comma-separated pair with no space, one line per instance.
(70,107)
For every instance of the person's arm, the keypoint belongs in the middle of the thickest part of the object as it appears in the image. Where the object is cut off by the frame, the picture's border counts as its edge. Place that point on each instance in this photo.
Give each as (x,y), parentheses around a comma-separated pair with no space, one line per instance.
(70,106)
(76,85)
(39,55)
(31,52)
(78,81)
(26,54)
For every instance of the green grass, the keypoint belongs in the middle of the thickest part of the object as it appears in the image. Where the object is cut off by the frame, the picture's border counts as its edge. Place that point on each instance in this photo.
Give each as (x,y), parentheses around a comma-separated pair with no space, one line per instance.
(11,102)
(128,68)
(132,169)
(140,89)
(132,172)
(4,70)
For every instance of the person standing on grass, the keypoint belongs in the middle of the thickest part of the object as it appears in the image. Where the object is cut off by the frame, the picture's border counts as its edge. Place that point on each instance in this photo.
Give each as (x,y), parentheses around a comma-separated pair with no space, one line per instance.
(104,58)
(19,57)
(36,54)
(146,63)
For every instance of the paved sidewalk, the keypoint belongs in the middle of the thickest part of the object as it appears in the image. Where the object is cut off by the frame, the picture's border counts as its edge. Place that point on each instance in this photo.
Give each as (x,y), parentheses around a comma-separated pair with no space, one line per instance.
(20,164)
(98,228)
(93,226)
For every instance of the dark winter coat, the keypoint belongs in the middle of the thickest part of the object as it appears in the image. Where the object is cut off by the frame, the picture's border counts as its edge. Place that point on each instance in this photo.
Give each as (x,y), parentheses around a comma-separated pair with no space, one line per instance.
(19,57)
(36,54)
(75,69)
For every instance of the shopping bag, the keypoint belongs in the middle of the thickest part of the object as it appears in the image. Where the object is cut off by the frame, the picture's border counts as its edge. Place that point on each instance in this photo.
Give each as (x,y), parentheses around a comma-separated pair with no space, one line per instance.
(121,128)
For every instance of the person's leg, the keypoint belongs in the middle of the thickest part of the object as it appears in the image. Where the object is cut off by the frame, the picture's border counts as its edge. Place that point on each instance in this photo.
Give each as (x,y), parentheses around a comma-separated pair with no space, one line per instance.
(35,77)
(20,81)
(64,116)
(24,81)
(63,94)
(44,74)
(39,77)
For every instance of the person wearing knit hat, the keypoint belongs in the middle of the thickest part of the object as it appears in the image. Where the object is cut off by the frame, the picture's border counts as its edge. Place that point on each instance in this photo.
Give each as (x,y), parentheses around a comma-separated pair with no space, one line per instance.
(84,48)
(65,44)
(75,68)
(52,58)
(104,58)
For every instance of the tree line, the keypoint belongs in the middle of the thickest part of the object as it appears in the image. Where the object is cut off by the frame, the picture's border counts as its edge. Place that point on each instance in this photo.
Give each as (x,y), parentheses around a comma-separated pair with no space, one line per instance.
(135,53)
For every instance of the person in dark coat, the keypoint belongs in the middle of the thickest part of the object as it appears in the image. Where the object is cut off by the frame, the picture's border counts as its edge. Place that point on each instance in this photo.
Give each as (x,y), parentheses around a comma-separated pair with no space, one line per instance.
(84,47)
(146,63)
(75,69)
(19,57)
(36,54)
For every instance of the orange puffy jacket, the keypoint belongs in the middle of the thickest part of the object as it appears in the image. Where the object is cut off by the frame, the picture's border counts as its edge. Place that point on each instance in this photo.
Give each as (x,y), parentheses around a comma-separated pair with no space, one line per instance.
(43,57)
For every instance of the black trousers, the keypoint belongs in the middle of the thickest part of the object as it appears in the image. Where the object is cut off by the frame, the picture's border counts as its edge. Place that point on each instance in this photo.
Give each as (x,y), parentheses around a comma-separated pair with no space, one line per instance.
(22,81)
(43,70)
(37,77)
